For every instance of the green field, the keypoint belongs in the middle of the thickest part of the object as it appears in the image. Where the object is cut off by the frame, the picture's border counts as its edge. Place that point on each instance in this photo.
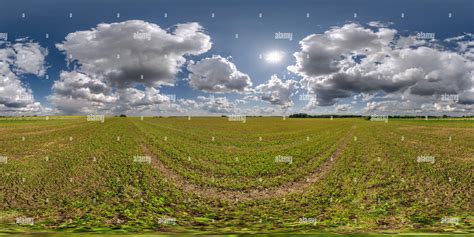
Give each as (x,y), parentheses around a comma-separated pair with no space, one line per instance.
(211,175)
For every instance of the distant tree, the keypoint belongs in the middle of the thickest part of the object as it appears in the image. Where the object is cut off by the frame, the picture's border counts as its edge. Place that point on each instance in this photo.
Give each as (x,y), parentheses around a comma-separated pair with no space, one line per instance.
(301,115)
(123,115)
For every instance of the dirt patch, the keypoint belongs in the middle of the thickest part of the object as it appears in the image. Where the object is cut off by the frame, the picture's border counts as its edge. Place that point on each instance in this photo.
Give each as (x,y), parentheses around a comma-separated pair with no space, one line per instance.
(255,193)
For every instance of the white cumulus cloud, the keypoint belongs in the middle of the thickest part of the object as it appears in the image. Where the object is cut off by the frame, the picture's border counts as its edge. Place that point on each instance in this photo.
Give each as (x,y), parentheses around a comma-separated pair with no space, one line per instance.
(17,59)
(354,60)
(113,62)
(217,75)
(278,92)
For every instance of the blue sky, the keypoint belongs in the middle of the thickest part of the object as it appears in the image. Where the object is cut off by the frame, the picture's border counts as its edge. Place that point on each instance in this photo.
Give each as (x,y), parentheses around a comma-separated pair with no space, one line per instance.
(256,37)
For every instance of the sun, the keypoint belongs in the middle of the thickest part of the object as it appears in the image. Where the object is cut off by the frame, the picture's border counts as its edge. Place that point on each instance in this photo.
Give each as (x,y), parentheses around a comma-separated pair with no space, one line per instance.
(274,56)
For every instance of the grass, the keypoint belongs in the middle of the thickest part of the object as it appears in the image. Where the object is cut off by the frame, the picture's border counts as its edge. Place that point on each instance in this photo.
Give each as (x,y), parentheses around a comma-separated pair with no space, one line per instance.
(210,175)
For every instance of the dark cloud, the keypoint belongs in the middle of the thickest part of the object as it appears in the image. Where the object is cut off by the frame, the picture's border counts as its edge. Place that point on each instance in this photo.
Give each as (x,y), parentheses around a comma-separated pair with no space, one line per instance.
(135,51)
(351,60)
(115,60)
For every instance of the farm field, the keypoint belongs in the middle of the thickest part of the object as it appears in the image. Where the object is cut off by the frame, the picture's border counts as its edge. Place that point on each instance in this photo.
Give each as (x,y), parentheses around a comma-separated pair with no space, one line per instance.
(212,175)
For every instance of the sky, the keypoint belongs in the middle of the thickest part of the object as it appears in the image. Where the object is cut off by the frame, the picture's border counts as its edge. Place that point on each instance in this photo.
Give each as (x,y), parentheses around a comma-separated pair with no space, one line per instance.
(261,57)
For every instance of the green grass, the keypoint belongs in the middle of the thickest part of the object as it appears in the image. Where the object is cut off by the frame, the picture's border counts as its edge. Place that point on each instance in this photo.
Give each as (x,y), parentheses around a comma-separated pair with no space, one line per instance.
(73,175)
